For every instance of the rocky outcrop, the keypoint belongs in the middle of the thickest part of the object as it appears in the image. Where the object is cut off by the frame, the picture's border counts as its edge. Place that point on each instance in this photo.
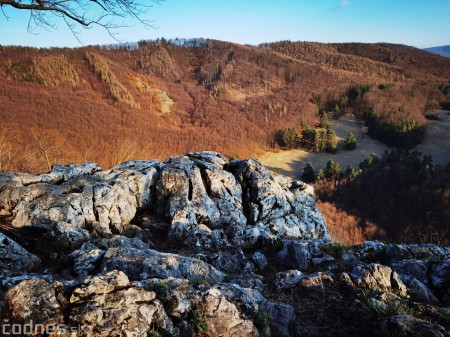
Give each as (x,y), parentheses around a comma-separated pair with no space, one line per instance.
(209,202)
(14,258)
(197,245)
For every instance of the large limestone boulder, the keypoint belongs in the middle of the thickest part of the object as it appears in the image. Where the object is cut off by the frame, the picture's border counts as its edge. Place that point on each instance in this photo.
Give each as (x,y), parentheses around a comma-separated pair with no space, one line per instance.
(223,318)
(107,305)
(281,207)
(68,200)
(32,303)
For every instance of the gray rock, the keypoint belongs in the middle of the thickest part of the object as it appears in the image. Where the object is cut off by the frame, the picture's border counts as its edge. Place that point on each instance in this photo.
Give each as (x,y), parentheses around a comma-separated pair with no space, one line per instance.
(369,250)
(397,253)
(321,260)
(86,258)
(281,317)
(14,258)
(142,264)
(415,268)
(9,281)
(315,282)
(223,318)
(115,241)
(200,195)
(440,276)
(251,302)
(79,195)
(299,254)
(417,290)
(181,187)
(185,230)
(232,262)
(378,277)
(61,173)
(259,259)
(277,202)
(251,281)
(406,325)
(208,303)
(287,279)
(428,251)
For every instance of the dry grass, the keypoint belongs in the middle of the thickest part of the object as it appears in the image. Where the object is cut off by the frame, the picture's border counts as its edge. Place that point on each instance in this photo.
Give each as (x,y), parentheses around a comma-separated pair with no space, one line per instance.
(56,70)
(117,90)
(158,98)
(22,71)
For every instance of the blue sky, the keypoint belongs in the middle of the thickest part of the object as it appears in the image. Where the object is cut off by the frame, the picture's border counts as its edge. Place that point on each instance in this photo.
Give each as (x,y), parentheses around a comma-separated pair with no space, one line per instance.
(420,23)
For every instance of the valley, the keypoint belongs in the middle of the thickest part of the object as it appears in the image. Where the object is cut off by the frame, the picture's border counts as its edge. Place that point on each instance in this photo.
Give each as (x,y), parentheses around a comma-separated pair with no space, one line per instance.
(292,162)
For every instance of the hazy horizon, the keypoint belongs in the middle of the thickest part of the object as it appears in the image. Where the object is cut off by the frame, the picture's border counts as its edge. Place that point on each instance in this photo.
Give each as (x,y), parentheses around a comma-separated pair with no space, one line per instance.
(413,23)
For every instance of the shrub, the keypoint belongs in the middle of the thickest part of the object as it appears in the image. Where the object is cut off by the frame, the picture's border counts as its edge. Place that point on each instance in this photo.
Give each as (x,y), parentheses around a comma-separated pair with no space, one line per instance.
(197,321)
(331,141)
(309,135)
(404,133)
(369,161)
(375,309)
(333,169)
(261,322)
(350,141)
(163,293)
(323,120)
(350,172)
(320,175)
(336,250)
(308,174)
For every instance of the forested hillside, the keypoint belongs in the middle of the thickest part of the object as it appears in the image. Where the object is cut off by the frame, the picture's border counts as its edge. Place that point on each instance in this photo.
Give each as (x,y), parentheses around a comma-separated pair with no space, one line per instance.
(155,99)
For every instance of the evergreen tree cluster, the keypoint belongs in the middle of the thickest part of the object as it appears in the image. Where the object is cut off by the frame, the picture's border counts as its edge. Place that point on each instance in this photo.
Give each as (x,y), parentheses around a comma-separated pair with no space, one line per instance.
(404,133)
(319,139)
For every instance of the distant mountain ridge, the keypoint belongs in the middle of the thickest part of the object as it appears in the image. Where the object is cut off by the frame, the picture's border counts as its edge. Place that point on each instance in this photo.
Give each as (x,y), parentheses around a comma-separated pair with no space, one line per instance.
(441,50)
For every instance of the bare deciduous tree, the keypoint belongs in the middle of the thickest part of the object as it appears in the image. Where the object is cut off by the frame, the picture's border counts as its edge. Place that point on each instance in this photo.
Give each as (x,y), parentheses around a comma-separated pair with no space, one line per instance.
(82,13)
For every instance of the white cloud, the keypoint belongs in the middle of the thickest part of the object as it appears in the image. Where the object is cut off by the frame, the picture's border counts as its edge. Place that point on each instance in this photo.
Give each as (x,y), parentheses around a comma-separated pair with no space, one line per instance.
(342,4)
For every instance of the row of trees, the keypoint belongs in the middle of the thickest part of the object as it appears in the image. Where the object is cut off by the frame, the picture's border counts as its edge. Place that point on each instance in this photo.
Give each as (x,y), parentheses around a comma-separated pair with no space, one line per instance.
(316,139)
(333,170)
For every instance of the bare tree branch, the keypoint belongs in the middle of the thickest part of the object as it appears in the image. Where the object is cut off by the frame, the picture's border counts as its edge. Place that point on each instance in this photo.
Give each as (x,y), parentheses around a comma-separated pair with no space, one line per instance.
(83,13)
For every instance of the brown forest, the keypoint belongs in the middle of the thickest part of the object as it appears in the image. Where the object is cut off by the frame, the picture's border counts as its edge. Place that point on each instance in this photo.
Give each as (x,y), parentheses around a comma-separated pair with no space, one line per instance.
(159,98)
